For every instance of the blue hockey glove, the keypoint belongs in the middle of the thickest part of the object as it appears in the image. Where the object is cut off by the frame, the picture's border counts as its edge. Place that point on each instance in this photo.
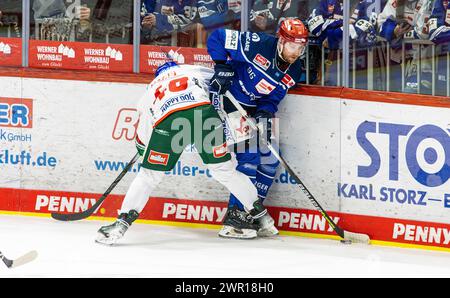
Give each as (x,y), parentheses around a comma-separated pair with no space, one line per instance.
(367,36)
(221,81)
(264,118)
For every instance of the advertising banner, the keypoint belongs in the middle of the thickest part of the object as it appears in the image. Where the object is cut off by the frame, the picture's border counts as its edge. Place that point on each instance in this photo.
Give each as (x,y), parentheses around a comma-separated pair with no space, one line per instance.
(395,160)
(382,230)
(154,56)
(10,51)
(81,55)
(377,168)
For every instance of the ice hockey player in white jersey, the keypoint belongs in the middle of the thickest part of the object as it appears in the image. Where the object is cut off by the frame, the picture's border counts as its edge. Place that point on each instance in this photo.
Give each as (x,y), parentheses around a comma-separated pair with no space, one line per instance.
(179,93)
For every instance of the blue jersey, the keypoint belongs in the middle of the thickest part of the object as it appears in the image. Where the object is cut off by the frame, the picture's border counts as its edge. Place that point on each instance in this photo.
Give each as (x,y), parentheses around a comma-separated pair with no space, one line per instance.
(172,15)
(275,12)
(327,15)
(163,27)
(439,23)
(325,21)
(179,15)
(367,9)
(258,82)
(212,14)
(147,6)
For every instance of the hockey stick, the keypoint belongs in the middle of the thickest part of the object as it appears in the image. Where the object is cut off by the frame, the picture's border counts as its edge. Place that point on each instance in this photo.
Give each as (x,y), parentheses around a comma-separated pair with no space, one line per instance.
(346,235)
(90,211)
(26,258)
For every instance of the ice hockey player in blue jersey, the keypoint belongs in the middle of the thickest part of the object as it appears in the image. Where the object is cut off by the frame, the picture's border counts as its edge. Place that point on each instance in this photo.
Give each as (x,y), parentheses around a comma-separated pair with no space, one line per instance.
(258,69)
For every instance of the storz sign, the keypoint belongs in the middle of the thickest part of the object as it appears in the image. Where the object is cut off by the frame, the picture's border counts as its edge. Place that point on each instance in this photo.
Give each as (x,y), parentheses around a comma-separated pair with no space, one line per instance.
(426,153)
(395,158)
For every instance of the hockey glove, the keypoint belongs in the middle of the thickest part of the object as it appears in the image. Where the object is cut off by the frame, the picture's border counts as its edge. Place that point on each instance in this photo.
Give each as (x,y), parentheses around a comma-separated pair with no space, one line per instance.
(139,146)
(264,120)
(366,34)
(221,81)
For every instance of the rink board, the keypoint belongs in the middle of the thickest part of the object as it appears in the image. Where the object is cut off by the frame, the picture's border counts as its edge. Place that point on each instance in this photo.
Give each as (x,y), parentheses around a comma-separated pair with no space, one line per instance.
(379,165)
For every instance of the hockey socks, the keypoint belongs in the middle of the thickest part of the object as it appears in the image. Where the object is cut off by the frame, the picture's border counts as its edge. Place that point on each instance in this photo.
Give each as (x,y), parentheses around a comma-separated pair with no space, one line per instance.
(264,179)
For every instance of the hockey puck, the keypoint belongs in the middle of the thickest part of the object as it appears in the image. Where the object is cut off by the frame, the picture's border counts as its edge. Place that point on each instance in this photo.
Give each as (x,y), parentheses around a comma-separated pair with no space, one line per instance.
(346,241)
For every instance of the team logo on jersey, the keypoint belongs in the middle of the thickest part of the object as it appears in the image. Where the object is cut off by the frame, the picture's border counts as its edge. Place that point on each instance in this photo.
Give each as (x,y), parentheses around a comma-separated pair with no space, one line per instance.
(220,151)
(158,158)
(315,22)
(261,61)
(264,87)
(231,39)
(288,81)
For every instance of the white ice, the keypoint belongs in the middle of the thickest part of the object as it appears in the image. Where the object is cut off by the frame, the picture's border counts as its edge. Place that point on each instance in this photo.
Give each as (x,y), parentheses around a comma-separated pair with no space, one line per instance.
(67,249)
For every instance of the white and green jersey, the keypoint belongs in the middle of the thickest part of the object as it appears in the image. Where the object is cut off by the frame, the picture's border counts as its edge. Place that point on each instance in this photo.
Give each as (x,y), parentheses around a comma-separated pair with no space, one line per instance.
(179,88)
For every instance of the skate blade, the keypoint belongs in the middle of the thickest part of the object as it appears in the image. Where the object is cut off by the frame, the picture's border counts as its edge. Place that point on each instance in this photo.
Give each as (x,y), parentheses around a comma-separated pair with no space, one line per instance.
(108,241)
(268,232)
(105,243)
(230,232)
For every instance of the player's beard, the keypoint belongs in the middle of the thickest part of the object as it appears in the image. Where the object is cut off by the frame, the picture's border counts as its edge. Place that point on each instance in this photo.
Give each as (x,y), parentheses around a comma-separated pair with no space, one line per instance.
(283,59)
(290,58)
(281,64)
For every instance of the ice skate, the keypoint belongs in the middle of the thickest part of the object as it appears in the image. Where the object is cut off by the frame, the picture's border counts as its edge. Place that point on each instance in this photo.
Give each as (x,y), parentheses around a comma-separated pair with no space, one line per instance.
(109,235)
(266,226)
(238,224)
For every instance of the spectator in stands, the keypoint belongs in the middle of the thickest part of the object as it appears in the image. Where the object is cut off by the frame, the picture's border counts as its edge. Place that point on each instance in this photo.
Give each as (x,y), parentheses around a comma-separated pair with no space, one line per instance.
(326,25)
(53,20)
(160,19)
(234,15)
(402,21)
(325,18)
(10,18)
(439,30)
(266,15)
(190,20)
(112,21)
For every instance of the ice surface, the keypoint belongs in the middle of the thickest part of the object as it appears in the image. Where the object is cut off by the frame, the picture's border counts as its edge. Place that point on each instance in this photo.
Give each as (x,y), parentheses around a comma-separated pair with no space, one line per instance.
(67,249)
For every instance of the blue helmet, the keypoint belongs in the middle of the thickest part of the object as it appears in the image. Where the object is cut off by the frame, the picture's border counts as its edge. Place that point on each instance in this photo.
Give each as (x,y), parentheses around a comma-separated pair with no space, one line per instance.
(165,67)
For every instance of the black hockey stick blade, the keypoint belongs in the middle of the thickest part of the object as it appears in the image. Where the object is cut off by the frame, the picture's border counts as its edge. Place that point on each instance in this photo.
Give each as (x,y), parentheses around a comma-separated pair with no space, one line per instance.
(354,237)
(26,258)
(81,215)
(88,212)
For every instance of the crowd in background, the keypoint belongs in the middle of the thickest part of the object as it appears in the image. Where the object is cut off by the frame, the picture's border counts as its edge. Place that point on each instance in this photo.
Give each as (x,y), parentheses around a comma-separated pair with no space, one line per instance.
(411,38)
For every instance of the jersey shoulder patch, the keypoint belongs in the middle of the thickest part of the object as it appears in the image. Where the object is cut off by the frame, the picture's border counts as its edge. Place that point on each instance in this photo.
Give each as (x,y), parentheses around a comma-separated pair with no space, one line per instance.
(231,39)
